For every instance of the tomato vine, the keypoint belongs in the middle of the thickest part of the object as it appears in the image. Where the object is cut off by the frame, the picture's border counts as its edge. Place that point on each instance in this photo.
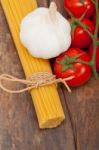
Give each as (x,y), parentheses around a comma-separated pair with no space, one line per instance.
(94,37)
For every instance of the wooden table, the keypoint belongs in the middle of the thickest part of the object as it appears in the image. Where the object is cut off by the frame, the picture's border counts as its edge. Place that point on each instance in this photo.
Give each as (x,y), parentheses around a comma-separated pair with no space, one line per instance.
(18,124)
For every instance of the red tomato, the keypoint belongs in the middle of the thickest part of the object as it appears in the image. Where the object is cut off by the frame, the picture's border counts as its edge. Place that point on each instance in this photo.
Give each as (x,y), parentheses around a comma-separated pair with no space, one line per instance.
(78,8)
(80,38)
(94,17)
(97,55)
(81,72)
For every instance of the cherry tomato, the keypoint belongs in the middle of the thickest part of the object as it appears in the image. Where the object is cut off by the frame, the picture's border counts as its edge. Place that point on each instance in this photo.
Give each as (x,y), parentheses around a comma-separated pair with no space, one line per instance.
(80,38)
(80,71)
(97,55)
(78,7)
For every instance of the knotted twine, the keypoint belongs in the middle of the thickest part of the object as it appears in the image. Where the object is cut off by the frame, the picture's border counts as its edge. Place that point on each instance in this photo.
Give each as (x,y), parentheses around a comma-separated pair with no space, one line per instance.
(36,80)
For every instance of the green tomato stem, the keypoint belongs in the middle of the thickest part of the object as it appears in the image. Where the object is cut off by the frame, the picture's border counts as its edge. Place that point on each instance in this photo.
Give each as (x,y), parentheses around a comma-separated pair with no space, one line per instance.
(95,43)
(85,28)
(83,62)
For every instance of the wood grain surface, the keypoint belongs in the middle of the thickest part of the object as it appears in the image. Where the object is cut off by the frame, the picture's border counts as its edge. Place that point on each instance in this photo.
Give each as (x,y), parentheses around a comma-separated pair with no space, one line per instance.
(18,124)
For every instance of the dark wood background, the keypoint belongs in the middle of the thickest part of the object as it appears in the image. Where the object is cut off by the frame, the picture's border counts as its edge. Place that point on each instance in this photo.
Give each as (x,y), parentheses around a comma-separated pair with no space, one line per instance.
(18,124)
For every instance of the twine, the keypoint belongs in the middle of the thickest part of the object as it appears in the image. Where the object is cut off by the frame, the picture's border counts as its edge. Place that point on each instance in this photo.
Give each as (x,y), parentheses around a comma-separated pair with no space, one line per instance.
(36,80)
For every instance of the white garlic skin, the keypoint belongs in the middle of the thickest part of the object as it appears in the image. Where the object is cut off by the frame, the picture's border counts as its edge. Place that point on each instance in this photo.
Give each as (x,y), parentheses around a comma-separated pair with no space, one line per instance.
(43,37)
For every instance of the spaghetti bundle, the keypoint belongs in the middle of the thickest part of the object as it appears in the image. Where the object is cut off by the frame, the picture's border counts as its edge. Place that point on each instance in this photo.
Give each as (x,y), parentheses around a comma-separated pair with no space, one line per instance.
(46,99)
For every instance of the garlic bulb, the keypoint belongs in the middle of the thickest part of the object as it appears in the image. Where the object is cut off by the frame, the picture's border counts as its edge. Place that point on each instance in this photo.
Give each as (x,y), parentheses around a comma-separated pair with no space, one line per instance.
(45,32)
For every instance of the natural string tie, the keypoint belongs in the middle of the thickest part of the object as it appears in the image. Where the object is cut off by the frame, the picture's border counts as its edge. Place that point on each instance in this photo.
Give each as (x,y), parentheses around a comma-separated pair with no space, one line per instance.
(36,80)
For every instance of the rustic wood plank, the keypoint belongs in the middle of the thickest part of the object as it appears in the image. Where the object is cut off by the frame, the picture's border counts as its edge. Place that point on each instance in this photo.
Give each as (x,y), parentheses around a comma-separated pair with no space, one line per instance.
(18,124)
(83,105)
(43,3)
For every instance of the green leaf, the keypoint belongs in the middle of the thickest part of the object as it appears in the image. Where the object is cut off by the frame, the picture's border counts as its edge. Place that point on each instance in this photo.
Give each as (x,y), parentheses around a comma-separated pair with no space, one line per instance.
(65,67)
(66,58)
(71,66)
(61,62)
(77,56)
(64,61)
